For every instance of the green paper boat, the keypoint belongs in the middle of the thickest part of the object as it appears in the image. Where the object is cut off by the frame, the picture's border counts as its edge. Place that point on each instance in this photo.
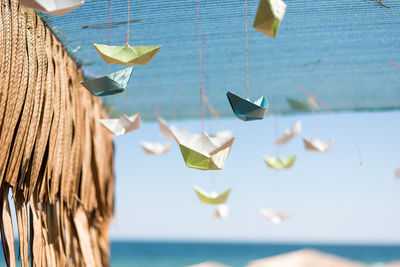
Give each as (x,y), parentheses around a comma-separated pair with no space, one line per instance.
(298,105)
(212,198)
(127,55)
(110,84)
(279,163)
(246,110)
(203,152)
(269,16)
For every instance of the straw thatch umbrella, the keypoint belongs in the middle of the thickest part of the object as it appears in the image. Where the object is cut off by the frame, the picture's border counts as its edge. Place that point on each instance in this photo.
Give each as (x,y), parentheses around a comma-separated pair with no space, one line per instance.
(304,258)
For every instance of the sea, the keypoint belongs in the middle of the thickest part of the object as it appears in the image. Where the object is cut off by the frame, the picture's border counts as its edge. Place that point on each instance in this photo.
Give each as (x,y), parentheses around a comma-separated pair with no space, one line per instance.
(180,254)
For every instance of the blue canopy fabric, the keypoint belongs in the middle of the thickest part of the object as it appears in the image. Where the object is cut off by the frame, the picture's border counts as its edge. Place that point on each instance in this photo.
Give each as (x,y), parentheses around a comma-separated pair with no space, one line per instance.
(338,50)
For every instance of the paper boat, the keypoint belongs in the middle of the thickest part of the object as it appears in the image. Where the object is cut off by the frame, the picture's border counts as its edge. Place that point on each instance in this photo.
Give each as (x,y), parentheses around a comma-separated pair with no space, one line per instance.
(397,173)
(165,129)
(127,55)
(279,163)
(221,211)
(110,84)
(122,125)
(212,198)
(269,15)
(246,110)
(288,134)
(202,151)
(274,216)
(317,145)
(155,148)
(298,105)
(53,7)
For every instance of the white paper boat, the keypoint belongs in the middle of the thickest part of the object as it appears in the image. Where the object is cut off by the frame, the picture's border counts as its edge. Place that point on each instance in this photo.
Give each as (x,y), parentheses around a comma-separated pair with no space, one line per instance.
(122,125)
(53,7)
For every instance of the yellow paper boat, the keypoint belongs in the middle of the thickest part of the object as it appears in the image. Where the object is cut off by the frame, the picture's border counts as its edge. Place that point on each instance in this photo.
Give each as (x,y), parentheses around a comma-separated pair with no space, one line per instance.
(279,163)
(212,198)
(127,55)
(274,216)
(269,16)
(203,152)
(317,145)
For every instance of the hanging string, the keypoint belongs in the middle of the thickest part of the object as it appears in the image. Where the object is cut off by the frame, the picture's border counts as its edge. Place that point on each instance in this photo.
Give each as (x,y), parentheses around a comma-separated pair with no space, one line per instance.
(127,28)
(176,101)
(109,30)
(394,64)
(314,122)
(276,134)
(337,118)
(247,52)
(201,88)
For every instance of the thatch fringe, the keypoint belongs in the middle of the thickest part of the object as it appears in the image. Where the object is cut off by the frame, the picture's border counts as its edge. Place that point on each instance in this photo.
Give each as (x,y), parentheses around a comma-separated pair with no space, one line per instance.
(55,156)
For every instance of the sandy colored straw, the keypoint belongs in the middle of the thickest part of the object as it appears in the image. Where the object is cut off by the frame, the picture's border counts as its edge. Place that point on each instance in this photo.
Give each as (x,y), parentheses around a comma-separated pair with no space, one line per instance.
(56,158)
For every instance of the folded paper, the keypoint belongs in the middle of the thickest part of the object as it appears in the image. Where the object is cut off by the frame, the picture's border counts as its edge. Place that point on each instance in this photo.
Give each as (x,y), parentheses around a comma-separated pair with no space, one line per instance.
(212,198)
(274,216)
(110,84)
(53,7)
(317,145)
(165,129)
(127,55)
(155,148)
(288,134)
(221,211)
(122,125)
(279,163)
(298,105)
(202,151)
(246,110)
(269,15)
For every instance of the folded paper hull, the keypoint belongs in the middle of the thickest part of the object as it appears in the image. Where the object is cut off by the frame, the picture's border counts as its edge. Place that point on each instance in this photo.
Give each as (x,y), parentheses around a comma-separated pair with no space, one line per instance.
(155,148)
(274,216)
(280,163)
(127,55)
(289,134)
(200,161)
(122,125)
(221,211)
(245,109)
(212,198)
(269,16)
(53,7)
(298,105)
(317,145)
(110,84)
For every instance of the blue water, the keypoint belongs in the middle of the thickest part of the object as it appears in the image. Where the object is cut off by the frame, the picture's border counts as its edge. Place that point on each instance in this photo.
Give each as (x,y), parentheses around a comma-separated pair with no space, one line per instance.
(169,254)
(176,254)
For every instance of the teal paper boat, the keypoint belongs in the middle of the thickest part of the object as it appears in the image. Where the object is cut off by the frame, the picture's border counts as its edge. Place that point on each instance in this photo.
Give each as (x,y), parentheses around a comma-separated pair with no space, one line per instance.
(246,110)
(110,84)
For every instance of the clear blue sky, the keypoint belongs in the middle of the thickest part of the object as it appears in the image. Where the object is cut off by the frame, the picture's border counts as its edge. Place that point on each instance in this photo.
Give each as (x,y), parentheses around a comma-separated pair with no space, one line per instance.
(332,197)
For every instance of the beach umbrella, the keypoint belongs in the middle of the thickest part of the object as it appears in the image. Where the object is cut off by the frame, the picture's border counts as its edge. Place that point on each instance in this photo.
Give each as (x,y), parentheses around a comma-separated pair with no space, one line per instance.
(209,264)
(53,7)
(274,216)
(122,125)
(280,163)
(155,148)
(304,258)
(288,134)
(212,198)
(110,84)
(269,16)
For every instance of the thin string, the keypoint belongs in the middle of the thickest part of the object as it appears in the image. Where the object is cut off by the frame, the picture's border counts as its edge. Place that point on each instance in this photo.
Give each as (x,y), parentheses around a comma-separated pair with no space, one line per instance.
(276,134)
(314,122)
(123,102)
(127,28)
(109,30)
(176,101)
(394,64)
(247,53)
(201,88)
(337,118)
